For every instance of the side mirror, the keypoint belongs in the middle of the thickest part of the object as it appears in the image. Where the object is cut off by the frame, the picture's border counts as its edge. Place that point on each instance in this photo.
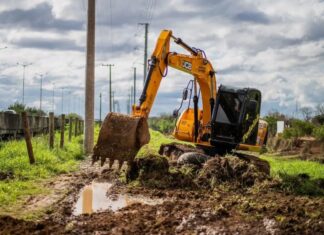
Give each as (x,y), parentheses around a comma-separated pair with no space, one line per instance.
(185,94)
(175,113)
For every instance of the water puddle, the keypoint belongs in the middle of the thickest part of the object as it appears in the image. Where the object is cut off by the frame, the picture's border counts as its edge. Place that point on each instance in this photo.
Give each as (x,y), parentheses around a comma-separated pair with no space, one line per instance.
(93,198)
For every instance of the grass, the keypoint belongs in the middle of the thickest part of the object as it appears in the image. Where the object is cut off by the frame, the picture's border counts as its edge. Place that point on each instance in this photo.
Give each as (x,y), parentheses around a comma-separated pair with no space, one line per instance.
(26,178)
(157,138)
(285,165)
(298,176)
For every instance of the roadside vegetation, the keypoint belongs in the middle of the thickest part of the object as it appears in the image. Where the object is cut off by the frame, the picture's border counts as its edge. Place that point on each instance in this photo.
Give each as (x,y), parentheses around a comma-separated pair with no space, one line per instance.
(164,124)
(297,176)
(19,179)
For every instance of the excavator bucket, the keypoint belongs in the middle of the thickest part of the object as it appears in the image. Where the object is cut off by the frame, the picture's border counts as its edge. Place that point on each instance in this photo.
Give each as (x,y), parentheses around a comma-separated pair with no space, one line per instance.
(120,138)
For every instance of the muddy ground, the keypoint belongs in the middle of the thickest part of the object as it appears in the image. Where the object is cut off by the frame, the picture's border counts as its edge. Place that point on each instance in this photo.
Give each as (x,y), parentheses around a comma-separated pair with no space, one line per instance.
(227,209)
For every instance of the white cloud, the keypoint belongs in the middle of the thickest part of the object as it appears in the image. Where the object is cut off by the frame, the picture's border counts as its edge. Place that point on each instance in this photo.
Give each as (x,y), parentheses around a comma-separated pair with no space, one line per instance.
(275,46)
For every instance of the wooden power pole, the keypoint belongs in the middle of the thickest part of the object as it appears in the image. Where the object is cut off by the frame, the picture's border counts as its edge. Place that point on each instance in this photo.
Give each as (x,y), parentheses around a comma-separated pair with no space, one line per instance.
(90,79)
(146,25)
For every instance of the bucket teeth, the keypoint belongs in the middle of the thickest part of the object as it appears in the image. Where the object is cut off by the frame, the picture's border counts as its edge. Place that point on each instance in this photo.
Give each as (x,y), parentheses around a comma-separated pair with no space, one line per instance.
(103,159)
(120,164)
(94,158)
(111,162)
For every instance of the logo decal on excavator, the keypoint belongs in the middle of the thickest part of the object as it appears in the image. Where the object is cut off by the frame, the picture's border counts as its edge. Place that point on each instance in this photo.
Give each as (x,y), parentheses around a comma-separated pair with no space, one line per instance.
(187,65)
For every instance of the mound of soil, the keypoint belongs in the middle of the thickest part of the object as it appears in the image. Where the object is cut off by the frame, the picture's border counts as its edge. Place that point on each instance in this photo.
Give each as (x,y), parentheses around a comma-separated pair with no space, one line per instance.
(230,169)
(149,170)
(154,171)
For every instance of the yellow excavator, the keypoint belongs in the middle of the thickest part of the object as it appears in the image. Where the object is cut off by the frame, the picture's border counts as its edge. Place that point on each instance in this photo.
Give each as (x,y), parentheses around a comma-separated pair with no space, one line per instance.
(227,120)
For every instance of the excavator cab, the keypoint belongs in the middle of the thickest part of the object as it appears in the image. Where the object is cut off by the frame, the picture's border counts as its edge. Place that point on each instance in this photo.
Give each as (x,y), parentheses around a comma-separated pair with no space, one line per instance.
(235,117)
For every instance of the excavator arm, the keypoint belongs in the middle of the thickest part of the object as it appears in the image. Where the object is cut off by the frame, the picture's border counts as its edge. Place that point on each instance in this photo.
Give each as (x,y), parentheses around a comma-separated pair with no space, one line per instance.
(195,64)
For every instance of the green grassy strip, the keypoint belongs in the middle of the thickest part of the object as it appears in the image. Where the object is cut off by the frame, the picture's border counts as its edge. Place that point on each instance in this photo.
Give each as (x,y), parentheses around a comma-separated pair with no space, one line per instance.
(298,176)
(284,165)
(14,159)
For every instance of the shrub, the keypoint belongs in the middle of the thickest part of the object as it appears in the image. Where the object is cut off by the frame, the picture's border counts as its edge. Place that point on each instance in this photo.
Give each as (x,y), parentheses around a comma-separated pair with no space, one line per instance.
(299,128)
(318,132)
(164,124)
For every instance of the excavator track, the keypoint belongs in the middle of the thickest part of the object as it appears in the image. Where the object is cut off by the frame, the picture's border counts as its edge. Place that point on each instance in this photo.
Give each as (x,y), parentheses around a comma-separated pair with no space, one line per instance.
(177,152)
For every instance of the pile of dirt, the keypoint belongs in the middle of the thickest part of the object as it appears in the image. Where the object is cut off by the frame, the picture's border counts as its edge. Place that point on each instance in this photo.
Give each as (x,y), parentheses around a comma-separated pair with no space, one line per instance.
(230,169)
(149,170)
(155,171)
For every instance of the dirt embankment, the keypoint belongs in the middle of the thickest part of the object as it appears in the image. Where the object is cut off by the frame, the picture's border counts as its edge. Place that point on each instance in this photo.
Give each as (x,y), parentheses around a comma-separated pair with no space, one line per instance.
(307,148)
(224,196)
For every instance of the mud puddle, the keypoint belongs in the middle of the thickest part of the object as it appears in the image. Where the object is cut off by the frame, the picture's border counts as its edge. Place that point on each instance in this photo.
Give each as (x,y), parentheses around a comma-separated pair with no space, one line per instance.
(96,197)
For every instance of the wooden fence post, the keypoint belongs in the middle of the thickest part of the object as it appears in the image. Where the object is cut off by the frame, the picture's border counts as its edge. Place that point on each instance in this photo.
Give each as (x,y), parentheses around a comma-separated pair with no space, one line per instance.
(80,127)
(70,129)
(62,131)
(28,139)
(51,130)
(76,127)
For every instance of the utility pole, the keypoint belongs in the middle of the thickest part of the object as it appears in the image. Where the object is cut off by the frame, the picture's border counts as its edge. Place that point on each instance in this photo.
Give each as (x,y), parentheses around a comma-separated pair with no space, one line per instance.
(90,79)
(110,90)
(145,48)
(41,90)
(53,99)
(69,102)
(134,85)
(62,104)
(24,65)
(100,108)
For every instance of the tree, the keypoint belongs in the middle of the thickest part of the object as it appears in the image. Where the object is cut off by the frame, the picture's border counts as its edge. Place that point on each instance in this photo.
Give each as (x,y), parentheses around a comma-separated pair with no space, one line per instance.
(306,112)
(19,108)
(320,109)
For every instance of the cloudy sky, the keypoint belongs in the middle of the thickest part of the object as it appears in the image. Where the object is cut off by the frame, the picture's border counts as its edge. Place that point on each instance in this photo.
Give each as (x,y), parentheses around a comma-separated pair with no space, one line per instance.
(276,46)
